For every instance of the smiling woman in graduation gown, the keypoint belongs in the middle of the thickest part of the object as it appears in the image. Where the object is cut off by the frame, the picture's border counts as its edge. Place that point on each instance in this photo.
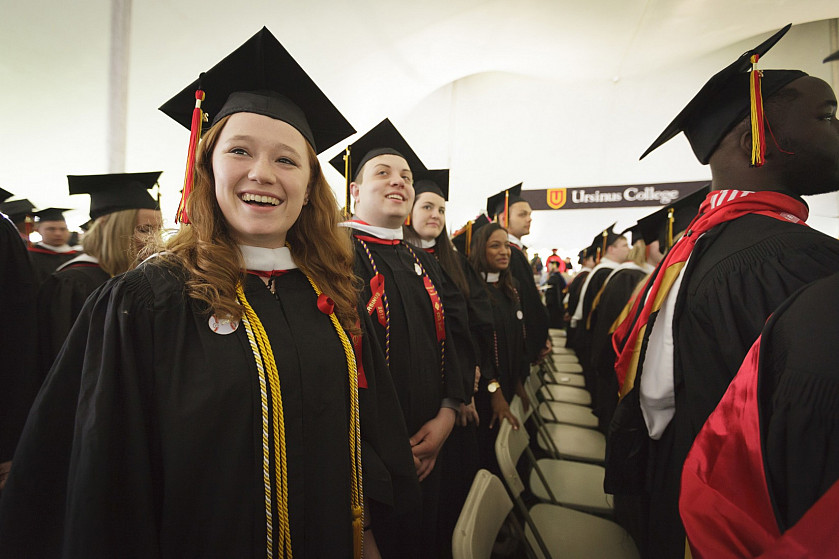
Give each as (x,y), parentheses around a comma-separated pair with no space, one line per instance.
(200,431)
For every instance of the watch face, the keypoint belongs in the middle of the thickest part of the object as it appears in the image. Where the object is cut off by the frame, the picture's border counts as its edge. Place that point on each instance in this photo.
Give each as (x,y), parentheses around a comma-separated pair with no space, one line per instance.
(493,386)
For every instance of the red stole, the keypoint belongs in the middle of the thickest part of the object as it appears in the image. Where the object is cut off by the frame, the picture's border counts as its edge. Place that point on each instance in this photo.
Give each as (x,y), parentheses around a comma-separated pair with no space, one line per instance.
(724,501)
(41,250)
(718,207)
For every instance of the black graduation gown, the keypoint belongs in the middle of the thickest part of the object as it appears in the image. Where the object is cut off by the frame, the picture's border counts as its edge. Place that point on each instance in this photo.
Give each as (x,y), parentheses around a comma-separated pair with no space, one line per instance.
(574,289)
(165,459)
(613,298)
(415,353)
(459,457)
(60,300)
(415,366)
(553,300)
(738,274)
(798,386)
(509,360)
(582,342)
(45,261)
(18,337)
(535,314)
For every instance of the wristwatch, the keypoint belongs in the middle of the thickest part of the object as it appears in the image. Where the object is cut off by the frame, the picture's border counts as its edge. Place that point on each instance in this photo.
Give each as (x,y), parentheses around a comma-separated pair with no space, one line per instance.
(493,386)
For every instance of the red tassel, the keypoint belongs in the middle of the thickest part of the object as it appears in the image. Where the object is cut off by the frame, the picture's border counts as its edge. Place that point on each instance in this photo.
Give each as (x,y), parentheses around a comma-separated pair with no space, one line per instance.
(194,137)
(756,105)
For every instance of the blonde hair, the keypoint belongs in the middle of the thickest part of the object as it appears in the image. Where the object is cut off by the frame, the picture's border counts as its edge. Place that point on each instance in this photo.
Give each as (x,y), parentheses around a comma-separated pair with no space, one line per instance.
(111,241)
(214,265)
(638,253)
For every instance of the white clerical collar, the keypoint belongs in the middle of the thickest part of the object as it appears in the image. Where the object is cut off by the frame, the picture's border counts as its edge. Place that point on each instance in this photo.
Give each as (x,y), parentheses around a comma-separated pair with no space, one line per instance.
(62,249)
(515,240)
(383,233)
(491,277)
(428,244)
(79,259)
(260,259)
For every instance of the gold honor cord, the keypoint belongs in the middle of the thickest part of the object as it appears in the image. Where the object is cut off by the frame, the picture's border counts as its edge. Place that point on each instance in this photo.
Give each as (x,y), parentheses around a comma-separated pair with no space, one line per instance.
(264,357)
(356,488)
(261,346)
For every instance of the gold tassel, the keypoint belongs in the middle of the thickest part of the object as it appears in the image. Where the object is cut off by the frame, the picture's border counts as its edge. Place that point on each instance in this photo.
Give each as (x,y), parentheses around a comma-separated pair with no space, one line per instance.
(756,110)
(670,220)
(348,179)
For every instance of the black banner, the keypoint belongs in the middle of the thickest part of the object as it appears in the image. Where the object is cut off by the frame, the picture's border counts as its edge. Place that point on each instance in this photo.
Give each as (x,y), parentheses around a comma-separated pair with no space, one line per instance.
(627,196)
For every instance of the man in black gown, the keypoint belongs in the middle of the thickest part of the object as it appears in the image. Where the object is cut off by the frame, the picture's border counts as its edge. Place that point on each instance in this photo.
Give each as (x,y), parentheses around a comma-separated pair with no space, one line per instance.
(741,269)
(419,317)
(514,213)
(613,249)
(572,299)
(52,250)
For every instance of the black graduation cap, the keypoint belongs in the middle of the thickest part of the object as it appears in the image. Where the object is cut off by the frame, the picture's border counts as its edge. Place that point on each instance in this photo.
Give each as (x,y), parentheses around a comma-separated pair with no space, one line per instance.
(17,210)
(724,101)
(655,226)
(432,180)
(51,214)
(5,195)
(496,203)
(382,139)
(462,239)
(262,77)
(604,239)
(116,191)
(634,231)
(832,57)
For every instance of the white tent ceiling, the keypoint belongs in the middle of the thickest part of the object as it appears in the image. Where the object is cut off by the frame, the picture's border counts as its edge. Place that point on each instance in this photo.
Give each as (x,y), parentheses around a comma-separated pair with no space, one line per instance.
(550,92)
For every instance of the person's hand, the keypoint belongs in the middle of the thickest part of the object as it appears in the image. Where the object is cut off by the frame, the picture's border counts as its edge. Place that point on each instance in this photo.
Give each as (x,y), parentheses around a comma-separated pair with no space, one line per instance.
(4,473)
(468,414)
(501,410)
(477,379)
(369,548)
(525,401)
(545,351)
(427,442)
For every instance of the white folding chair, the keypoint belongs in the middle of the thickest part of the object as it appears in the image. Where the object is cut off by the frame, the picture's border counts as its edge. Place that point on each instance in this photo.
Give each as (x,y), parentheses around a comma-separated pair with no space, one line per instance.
(562,482)
(560,412)
(565,358)
(558,392)
(562,440)
(557,531)
(484,512)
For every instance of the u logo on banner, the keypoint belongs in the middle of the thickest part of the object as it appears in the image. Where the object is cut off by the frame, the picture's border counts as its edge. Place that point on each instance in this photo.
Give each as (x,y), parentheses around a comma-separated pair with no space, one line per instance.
(556,198)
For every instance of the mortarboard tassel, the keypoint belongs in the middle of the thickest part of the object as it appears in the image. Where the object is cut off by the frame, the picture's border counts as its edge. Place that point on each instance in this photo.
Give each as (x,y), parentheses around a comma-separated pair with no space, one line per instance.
(602,252)
(670,220)
(198,118)
(348,179)
(28,226)
(756,104)
(506,209)
(468,237)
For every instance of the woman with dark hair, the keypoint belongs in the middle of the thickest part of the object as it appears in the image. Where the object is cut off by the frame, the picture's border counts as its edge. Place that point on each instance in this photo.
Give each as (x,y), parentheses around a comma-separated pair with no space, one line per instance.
(221,410)
(426,229)
(490,256)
